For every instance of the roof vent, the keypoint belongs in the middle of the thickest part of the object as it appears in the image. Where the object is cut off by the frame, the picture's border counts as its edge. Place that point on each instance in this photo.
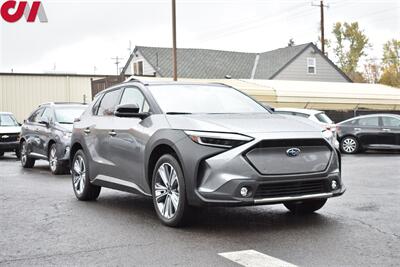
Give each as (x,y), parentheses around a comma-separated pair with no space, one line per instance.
(228,76)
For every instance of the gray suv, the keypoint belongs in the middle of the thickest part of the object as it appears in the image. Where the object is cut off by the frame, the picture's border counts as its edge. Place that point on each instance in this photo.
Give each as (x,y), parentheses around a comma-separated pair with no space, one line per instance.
(46,134)
(189,145)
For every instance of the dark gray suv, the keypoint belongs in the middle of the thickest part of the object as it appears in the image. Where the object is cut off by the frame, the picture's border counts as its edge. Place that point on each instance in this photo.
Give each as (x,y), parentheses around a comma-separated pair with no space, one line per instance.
(46,134)
(189,145)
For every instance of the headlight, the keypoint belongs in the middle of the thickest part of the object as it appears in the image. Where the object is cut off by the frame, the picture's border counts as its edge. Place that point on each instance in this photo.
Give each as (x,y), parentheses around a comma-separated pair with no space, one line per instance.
(223,140)
(331,137)
(67,135)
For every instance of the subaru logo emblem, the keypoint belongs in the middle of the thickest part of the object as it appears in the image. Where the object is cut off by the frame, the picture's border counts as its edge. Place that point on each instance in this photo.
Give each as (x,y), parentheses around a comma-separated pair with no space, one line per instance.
(293,152)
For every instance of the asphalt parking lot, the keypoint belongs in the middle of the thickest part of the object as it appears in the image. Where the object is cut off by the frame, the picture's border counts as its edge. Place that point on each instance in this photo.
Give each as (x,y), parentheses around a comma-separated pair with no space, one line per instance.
(42,223)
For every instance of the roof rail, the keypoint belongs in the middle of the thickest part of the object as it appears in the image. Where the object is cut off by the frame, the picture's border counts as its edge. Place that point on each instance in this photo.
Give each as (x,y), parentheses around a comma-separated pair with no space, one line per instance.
(133,79)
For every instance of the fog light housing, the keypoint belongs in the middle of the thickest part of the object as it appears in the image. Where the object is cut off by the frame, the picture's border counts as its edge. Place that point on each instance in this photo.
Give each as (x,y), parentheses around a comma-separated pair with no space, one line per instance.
(334,185)
(244,191)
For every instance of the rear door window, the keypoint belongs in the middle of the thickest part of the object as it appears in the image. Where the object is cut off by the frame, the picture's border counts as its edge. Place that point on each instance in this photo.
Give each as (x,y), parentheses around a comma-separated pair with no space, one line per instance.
(369,122)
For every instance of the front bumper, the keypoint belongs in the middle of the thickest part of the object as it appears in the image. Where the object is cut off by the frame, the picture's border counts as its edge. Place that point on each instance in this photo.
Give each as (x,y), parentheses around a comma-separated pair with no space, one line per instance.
(9,146)
(229,194)
(215,177)
(63,150)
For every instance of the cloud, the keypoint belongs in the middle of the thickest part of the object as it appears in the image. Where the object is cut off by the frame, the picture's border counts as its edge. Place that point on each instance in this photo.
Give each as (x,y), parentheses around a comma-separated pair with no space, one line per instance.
(84,34)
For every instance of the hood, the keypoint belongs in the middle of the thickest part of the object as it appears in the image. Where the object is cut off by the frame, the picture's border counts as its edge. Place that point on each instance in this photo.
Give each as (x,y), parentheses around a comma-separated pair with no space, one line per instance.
(12,129)
(242,123)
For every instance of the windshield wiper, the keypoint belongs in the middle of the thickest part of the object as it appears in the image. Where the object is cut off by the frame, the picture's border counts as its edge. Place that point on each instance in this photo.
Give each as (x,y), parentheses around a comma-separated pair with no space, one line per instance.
(178,113)
(65,122)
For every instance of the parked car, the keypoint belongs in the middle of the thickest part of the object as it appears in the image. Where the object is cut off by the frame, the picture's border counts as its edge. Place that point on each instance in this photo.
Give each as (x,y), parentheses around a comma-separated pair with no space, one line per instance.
(9,134)
(190,145)
(315,115)
(46,135)
(378,131)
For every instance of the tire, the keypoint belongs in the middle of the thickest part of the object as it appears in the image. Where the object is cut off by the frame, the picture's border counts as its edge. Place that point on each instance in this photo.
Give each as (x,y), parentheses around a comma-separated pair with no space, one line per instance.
(84,190)
(306,206)
(26,161)
(56,166)
(169,192)
(1,154)
(349,145)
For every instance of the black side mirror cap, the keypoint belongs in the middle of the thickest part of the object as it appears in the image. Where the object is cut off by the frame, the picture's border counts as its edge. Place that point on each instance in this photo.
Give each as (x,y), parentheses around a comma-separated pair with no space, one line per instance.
(130,111)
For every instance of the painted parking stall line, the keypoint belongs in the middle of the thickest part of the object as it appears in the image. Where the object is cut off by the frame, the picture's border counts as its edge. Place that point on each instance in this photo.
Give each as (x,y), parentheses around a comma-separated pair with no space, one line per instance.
(252,258)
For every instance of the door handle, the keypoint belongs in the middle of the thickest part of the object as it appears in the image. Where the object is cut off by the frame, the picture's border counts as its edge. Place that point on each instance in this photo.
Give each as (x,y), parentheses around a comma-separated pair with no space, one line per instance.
(86,131)
(386,130)
(112,133)
(36,130)
(357,129)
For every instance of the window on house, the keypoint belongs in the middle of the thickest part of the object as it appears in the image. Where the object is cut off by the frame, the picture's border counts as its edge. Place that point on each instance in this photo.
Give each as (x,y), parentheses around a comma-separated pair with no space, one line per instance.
(138,68)
(311,65)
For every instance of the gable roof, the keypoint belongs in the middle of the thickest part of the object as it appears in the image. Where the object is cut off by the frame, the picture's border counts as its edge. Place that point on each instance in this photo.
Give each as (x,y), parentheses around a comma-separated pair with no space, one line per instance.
(217,64)
(199,63)
(272,62)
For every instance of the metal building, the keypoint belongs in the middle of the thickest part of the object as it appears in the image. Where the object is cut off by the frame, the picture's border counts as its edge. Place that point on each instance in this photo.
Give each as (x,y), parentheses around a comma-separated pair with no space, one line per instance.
(22,93)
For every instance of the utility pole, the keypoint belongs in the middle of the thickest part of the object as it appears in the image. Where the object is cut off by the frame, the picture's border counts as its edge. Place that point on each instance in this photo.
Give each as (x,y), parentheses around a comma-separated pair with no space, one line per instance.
(322,6)
(174,59)
(117,61)
(130,47)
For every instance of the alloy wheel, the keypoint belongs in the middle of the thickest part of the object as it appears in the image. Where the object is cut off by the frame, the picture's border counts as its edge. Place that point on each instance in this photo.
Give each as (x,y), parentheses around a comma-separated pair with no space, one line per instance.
(53,158)
(79,174)
(167,190)
(349,145)
(24,156)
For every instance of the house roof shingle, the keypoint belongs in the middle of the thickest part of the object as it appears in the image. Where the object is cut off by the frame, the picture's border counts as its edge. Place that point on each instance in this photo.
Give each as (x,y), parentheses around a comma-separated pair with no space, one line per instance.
(217,64)
(199,63)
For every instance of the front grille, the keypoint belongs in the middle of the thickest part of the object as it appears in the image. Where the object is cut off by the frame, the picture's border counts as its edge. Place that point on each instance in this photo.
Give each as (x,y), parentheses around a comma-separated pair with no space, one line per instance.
(10,137)
(270,157)
(288,189)
(292,142)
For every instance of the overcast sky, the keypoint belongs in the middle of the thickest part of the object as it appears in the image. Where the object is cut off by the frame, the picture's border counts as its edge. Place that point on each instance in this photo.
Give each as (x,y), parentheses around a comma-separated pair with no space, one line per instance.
(83,36)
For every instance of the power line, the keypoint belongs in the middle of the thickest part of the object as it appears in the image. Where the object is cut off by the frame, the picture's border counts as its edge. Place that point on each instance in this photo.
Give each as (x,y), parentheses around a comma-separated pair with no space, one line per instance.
(247,23)
(257,23)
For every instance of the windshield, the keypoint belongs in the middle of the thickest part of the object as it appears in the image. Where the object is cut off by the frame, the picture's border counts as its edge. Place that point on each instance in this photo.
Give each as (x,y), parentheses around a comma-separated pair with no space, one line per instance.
(68,115)
(7,120)
(178,99)
(322,117)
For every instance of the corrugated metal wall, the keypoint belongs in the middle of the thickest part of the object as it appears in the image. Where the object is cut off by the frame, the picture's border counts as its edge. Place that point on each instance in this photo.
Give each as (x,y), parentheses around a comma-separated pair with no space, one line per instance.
(21,94)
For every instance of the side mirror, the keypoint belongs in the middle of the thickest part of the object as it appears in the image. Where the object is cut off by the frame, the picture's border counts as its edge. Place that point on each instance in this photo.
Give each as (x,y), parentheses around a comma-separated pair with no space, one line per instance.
(130,111)
(45,121)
